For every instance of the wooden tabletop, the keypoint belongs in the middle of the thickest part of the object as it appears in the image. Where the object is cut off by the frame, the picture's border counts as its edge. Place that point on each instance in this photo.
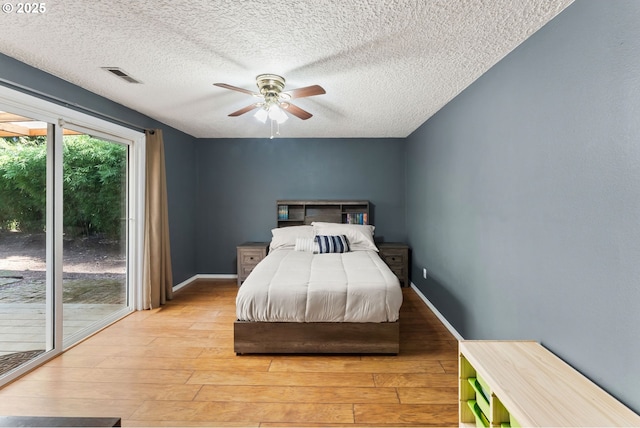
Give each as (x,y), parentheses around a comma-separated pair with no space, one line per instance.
(539,389)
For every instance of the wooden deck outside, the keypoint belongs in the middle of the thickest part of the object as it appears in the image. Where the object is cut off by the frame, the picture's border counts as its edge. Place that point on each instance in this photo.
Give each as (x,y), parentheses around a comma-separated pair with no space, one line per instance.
(93,283)
(22,325)
(175,366)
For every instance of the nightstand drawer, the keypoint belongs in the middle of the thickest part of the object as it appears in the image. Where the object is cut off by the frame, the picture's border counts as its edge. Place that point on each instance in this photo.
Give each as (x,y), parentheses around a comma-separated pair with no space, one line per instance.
(251,257)
(394,257)
(245,270)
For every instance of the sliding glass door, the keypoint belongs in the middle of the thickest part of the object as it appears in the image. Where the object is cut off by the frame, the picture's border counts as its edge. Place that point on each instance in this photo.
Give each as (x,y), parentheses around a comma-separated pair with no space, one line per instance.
(95,226)
(25,305)
(69,240)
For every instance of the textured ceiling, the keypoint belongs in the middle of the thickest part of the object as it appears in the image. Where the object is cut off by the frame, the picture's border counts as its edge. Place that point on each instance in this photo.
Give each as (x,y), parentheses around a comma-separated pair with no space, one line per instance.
(387,66)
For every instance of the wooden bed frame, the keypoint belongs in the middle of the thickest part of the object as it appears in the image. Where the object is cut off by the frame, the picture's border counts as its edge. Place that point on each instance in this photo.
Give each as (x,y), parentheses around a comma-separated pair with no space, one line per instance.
(317,337)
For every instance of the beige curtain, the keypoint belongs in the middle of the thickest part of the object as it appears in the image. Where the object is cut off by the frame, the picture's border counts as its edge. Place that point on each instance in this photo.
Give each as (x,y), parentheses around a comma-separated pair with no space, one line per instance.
(157,275)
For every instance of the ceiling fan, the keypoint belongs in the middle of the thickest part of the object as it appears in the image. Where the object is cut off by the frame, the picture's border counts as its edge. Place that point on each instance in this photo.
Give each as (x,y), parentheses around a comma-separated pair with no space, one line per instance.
(274,99)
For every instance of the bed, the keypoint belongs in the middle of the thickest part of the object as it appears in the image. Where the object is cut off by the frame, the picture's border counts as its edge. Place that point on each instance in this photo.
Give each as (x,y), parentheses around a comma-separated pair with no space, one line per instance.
(322,288)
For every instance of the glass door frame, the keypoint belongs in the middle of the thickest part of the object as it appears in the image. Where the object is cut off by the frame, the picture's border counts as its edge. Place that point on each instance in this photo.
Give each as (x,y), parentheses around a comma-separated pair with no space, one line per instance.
(72,339)
(58,117)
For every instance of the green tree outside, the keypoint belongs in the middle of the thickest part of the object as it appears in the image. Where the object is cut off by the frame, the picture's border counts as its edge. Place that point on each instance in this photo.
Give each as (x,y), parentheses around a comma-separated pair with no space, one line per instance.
(94,174)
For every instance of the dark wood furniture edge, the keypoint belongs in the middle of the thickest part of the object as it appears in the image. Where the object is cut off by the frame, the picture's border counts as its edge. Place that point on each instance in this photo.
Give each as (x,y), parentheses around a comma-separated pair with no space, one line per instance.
(59,421)
(322,201)
(318,337)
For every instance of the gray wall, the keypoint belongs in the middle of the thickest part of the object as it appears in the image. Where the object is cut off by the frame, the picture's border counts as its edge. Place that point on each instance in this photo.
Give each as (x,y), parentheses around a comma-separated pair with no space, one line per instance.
(523,197)
(179,153)
(239,181)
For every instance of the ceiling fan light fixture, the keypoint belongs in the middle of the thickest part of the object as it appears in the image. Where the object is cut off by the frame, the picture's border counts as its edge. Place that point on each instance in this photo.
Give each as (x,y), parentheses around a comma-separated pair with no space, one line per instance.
(262,115)
(276,113)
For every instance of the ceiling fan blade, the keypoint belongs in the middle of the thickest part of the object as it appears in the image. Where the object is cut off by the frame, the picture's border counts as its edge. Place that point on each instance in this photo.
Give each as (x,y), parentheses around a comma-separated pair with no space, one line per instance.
(244,110)
(307,91)
(235,88)
(296,111)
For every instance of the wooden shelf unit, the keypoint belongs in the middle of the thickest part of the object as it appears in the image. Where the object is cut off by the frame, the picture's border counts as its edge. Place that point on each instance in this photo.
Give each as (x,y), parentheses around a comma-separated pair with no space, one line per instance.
(530,386)
(299,212)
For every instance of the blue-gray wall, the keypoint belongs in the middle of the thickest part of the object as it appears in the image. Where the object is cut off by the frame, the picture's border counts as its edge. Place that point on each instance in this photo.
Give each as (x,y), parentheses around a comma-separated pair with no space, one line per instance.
(523,197)
(239,181)
(179,153)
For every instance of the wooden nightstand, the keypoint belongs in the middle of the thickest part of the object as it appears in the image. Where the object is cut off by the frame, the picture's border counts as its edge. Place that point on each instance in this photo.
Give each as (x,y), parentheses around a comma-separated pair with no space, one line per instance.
(249,254)
(396,256)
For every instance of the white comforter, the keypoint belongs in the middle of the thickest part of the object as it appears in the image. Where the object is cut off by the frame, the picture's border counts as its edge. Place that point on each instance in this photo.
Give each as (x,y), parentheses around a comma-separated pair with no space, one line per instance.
(297,286)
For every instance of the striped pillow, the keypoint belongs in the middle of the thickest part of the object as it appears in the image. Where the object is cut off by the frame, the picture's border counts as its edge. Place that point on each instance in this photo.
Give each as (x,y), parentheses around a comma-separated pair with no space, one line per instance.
(332,244)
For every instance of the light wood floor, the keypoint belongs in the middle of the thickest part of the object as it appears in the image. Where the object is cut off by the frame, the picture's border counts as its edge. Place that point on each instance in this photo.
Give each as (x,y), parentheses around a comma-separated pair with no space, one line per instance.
(175,366)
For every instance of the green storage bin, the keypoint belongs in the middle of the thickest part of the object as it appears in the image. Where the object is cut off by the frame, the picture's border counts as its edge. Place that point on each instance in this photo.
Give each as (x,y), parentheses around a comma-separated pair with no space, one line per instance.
(481,419)
(486,391)
(481,398)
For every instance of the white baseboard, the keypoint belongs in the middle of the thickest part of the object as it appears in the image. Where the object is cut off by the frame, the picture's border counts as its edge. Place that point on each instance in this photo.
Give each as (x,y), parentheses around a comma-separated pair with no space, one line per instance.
(437,313)
(203,276)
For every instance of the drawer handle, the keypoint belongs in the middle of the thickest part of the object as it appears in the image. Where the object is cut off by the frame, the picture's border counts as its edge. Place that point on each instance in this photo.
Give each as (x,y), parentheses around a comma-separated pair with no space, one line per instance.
(251,258)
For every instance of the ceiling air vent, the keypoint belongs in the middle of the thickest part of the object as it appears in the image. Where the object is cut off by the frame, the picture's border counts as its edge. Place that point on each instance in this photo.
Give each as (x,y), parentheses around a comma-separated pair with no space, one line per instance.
(121,74)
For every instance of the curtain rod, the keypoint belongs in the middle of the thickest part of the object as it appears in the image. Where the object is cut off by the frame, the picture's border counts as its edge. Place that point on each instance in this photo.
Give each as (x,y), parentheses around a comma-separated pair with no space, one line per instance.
(74,106)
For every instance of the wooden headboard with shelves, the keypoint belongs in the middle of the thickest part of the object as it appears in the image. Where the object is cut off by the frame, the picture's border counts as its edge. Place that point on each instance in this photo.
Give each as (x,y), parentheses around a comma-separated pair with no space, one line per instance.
(299,212)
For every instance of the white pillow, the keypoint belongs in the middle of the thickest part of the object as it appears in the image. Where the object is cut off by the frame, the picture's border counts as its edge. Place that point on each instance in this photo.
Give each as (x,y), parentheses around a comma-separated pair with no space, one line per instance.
(285,237)
(307,244)
(360,236)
